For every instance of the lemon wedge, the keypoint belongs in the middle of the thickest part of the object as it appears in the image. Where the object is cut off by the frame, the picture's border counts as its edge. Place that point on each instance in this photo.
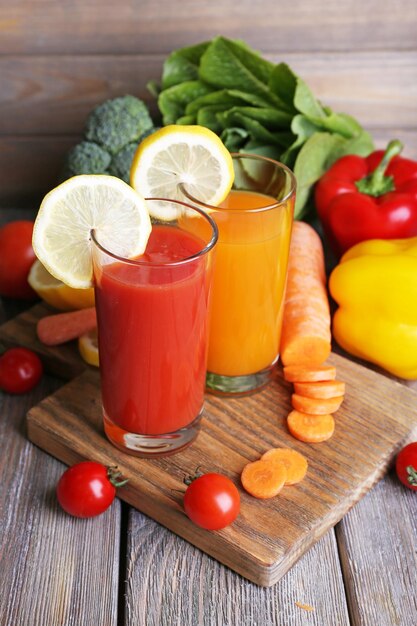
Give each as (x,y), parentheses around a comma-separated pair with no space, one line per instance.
(68,213)
(175,157)
(88,347)
(56,293)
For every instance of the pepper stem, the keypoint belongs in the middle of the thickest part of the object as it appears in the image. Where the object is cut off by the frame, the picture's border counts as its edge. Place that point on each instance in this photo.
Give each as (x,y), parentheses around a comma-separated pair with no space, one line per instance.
(377,183)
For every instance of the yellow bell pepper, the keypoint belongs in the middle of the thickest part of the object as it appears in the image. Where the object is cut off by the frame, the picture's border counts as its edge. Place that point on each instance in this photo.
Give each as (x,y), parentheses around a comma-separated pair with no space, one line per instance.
(375,286)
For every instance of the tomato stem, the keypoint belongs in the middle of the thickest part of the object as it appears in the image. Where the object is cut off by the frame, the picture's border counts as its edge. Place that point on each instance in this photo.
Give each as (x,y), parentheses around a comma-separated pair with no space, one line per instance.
(114,475)
(197,474)
(411,475)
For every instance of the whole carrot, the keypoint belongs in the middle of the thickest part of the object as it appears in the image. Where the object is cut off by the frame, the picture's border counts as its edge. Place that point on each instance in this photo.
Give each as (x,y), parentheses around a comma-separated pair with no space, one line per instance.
(306,336)
(55,329)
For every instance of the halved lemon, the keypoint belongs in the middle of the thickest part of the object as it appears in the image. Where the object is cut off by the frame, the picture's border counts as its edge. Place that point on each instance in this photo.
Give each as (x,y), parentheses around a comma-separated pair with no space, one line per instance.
(88,347)
(56,293)
(189,156)
(68,213)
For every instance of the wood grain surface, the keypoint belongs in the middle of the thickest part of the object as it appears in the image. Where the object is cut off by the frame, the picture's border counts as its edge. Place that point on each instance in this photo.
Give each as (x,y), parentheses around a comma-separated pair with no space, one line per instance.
(125,27)
(53,95)
(55,568)
(376,418)
(172,583)
(377,546)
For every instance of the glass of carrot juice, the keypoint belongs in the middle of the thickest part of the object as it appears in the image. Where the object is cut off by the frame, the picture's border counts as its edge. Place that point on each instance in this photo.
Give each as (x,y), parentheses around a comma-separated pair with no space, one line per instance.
(152,314)
(254,224)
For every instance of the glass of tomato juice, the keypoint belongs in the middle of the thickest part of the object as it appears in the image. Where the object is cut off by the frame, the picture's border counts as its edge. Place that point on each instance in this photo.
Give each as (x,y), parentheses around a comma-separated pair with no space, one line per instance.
(254,224)
(152,314)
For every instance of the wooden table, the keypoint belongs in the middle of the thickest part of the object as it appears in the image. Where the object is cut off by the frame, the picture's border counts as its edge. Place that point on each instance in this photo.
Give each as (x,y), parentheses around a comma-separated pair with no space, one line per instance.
(123,568)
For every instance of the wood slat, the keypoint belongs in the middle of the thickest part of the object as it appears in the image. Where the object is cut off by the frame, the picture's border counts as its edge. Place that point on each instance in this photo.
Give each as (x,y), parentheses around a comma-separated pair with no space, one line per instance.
(147,26)
(30,166)
(55,569)
(377,545)
(171,583)
(46,95)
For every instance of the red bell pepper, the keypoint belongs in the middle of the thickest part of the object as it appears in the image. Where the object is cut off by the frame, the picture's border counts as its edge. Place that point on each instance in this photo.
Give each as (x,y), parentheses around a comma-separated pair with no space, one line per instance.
(368,198)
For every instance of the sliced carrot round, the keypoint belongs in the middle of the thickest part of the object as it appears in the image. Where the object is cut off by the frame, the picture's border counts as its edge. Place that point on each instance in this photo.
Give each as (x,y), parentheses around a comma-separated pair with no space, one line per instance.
(321,389)
(294,462)
(316,406)
(302,374)
(310,428)
(263,479)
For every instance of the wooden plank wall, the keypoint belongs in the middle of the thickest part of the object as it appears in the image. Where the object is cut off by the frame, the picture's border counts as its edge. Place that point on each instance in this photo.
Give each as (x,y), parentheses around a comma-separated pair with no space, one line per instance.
(59,59)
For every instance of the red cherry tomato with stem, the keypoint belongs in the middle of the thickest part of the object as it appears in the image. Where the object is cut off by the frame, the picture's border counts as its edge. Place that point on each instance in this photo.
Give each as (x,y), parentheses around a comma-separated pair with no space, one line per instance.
(87,489)
(20,370)
(406,465)
(16,259)
(211,500)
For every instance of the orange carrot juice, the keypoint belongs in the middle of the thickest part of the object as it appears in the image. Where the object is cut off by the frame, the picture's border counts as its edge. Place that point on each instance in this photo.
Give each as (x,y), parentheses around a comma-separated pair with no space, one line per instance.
(249,283)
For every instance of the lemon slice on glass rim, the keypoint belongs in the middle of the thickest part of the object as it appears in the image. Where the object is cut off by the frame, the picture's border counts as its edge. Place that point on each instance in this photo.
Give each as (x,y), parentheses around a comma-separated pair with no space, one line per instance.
(62,231)
(178,157)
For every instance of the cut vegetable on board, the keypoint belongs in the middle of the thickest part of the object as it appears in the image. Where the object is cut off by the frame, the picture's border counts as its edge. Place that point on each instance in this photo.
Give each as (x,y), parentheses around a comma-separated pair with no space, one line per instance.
(53,330)
(325,389)
(298,373)
(263,479)
(310,428)
(306,334)
(295,463)
(276,468)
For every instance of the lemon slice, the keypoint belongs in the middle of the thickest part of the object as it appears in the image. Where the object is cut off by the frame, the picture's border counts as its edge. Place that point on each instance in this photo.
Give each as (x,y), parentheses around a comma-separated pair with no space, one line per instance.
(176,156)
(68,213)
(88,347)
(56,293)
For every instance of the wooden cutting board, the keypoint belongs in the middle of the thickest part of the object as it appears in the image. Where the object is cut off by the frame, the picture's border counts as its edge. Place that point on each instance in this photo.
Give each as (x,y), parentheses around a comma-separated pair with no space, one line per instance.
(377,417)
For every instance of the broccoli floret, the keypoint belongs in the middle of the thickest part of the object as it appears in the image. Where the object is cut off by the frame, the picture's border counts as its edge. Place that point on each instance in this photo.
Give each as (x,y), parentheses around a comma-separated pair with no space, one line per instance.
(87,158)
(118,122)
(121,162)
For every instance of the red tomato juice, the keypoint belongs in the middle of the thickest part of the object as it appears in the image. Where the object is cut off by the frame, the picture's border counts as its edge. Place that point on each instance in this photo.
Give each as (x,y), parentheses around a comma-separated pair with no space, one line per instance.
(152,321)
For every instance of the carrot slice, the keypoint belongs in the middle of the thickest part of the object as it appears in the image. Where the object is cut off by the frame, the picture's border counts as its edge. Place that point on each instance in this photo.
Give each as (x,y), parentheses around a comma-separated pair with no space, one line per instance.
(300,374)
(316,406)
(310,428)
(53,330)
(295,463)
(263,479)
(306,336)
(323,389)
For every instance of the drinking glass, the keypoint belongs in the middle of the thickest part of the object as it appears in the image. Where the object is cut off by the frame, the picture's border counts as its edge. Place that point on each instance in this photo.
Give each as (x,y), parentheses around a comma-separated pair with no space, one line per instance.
(250,274)
(152,315)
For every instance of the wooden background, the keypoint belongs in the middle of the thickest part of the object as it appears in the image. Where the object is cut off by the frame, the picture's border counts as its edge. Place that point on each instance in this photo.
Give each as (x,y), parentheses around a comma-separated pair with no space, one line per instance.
(60,59)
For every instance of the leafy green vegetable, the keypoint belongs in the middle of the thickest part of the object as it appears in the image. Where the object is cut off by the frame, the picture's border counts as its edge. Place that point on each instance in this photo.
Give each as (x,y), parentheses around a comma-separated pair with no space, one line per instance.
(257,106)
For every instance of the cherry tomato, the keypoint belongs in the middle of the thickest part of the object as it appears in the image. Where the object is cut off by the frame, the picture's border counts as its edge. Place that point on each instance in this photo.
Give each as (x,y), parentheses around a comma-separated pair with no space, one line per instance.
(88,488)
(211,501)
(406,465)
(16,259)
(20,370)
